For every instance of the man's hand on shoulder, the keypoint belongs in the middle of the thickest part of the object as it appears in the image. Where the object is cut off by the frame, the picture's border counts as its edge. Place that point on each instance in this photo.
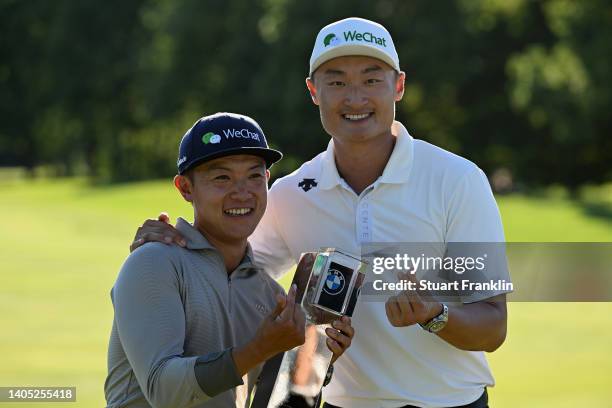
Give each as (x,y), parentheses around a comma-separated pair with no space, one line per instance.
(159,230)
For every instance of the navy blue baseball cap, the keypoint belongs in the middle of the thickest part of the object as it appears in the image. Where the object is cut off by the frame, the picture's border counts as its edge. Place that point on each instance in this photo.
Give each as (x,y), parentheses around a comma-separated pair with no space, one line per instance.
(223,134)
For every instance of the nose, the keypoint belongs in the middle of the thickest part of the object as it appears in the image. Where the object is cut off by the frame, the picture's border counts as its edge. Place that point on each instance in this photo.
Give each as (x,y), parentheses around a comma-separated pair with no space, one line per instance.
(355,97)
(240,191)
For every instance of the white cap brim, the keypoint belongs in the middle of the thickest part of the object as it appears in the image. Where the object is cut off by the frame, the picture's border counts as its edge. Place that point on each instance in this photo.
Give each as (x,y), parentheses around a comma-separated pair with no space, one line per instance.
(346,50)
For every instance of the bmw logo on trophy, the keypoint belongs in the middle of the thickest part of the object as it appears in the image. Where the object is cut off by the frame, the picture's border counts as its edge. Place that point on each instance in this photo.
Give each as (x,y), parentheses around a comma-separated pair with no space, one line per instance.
(336,280)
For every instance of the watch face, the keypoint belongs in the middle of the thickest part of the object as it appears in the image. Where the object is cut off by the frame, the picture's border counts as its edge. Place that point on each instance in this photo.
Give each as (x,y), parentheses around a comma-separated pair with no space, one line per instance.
(437,326)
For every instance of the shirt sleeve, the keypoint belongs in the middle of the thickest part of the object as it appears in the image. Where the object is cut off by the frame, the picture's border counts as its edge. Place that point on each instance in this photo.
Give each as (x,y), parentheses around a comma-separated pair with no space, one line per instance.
(475,230)
(472,213)
(151,325)
(269,246)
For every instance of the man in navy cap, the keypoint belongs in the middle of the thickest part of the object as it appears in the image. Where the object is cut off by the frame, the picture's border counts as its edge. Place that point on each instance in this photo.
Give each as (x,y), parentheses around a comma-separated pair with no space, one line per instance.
(193,324)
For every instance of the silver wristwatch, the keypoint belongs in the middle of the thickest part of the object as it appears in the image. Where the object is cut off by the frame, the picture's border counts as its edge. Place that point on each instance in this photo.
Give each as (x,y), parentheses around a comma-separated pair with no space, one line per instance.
(437,323)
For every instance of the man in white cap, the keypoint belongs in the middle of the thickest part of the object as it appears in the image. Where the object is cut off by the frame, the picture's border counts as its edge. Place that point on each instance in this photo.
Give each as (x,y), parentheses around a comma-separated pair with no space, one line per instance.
(375,183)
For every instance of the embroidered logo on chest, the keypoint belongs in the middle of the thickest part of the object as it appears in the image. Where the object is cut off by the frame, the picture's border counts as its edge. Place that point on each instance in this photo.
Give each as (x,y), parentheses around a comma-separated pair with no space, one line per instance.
(262,308)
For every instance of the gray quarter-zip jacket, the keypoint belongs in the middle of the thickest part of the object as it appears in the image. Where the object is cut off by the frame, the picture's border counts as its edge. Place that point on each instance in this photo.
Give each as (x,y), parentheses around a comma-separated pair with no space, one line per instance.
(178,314)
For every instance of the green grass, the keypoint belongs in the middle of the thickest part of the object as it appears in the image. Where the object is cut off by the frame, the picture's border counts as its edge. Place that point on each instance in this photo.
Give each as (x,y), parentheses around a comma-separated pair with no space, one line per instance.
(63,241)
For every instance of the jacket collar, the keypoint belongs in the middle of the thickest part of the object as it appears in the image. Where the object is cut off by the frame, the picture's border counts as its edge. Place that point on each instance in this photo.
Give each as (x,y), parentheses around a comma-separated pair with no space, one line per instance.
(197,241)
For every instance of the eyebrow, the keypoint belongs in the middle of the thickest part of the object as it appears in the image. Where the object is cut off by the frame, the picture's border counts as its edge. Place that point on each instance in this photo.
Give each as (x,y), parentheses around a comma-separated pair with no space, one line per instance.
(373,68)
(258,166)
(334,72)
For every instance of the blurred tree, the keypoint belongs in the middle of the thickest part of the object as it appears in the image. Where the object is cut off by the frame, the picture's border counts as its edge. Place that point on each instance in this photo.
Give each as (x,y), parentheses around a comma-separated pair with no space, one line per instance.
(111,87)
(564,90)
(71,81)
(24,26)
(199,60)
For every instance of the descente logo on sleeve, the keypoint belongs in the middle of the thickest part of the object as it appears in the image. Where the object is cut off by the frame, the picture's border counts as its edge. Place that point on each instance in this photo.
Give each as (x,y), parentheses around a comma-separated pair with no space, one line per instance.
(242,133)
(364,37)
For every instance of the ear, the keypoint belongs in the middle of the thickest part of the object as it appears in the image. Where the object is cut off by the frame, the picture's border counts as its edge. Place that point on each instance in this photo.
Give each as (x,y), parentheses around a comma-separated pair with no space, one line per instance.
(400,86)
(183,185)
(313,91)
(267,175)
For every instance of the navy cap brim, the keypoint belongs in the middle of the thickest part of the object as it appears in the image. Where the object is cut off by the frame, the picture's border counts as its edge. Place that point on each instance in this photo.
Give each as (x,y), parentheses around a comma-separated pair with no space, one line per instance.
(270,156)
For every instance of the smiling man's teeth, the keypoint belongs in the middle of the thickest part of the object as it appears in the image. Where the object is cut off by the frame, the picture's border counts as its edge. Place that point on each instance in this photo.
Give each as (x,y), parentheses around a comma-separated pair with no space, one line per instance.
(238,211)
(356,117)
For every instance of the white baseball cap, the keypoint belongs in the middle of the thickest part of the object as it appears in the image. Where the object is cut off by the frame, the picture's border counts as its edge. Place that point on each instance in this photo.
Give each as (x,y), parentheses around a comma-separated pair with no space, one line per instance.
(353,36)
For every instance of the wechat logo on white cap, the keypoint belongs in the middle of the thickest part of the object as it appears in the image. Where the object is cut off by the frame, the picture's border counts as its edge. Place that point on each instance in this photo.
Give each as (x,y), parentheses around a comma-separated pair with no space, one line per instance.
(210,137)
(331,39)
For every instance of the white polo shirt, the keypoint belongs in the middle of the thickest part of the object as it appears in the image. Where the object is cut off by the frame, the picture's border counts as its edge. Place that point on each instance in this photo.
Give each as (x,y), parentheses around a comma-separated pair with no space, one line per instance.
(425,194)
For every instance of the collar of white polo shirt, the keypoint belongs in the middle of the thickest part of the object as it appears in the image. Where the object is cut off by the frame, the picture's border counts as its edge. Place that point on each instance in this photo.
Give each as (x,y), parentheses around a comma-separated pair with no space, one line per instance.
(396,171)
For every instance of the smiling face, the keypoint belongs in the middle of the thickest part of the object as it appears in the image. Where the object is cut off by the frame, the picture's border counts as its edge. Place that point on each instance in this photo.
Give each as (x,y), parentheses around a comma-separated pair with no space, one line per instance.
(229,197)
(356,96)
